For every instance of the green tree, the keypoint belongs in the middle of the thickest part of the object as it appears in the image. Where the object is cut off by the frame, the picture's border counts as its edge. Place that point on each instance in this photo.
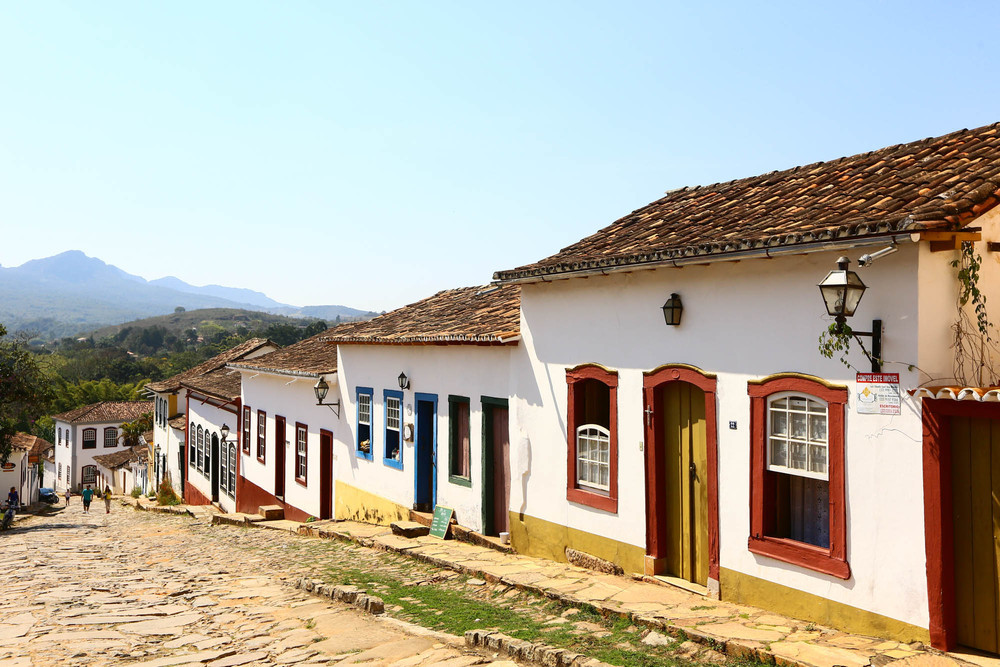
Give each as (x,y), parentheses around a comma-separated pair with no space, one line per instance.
(24,390)
(131,431)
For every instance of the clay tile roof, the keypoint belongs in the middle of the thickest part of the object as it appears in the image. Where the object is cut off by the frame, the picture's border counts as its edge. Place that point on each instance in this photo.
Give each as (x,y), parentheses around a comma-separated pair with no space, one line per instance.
(106,411)
(222,383)
(34,445)
(312,357)
(938,182)
(123,457)
(469,315)
(178,421)
(219,361)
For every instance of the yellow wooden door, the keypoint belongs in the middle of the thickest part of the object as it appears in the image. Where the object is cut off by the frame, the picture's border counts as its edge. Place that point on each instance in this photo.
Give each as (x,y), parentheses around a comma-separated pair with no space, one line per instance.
(976,502)
(683,408)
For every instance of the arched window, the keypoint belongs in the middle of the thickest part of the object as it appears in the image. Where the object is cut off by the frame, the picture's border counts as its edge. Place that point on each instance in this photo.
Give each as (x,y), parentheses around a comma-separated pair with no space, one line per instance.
(232,471)
(89,475)
(224,468)
(592,418)
(90,438)
(192,436)
(201,448)
(209,439)
(110,436)
(60,436)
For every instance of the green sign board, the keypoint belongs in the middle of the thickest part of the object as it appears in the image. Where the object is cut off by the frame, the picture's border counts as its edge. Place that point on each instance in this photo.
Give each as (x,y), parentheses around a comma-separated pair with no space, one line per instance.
(442,517)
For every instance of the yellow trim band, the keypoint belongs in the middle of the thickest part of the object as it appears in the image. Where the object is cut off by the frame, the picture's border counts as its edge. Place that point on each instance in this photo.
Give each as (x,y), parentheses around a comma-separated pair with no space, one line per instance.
(536,537)
(354,504)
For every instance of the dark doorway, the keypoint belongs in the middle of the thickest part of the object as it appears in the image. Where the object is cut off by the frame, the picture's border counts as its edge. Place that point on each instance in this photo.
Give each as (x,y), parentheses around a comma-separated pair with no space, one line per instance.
(279,457)
(215,468)
(425,470)
(325,475)
(496,466)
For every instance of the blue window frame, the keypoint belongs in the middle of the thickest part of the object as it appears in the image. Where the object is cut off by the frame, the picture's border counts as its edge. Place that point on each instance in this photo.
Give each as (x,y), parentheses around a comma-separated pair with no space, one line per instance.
(393,453)
(365,445)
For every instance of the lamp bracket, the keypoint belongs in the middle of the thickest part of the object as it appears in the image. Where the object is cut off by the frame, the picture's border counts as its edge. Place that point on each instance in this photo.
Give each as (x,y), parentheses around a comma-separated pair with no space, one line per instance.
(875,356)
(334,407)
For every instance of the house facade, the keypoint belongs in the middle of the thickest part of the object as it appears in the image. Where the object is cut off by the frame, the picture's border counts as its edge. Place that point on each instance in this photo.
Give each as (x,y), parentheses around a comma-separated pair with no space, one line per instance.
(87,432)
(123,470)
(425,391)
(724,453)
(170,421)
(286,438)
(21,471)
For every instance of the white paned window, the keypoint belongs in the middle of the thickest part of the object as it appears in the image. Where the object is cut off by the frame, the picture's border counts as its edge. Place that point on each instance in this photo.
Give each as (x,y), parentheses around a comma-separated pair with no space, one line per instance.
(593,456)
(300,452)
(224,467)
(392,413)
(60,471)
(797,436)
(232,471)
(110,437)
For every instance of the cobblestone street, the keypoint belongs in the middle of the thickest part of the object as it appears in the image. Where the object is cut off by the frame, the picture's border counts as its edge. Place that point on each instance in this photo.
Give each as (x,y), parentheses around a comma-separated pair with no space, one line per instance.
(146,589)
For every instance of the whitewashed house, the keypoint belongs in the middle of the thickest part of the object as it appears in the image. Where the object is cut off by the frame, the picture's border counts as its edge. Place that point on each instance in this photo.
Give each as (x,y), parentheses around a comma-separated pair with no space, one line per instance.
(21,468)
(286,438)
(424,392)
(170,418)
(123,470)
(87,432)
(719,449)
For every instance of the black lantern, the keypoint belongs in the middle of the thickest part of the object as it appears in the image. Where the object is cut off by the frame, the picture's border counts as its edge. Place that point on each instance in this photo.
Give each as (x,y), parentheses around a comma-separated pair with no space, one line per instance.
(404,382)
(672,310)
(321,388)
(224,431)
(842,291)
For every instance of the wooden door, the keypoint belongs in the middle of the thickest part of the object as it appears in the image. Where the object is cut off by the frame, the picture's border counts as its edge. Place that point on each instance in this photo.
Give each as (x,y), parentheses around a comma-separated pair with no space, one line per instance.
(279,457)
(500,446)
(325,475)
(425,471)
(976,505)
(682,410)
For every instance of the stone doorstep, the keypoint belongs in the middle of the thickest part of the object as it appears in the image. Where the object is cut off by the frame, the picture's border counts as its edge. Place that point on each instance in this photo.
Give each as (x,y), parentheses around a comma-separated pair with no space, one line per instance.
(409,529)
(271,512)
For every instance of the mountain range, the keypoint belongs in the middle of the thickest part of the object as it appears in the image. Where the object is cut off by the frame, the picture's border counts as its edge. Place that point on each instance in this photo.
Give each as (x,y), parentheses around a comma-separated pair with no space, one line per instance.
(71,293)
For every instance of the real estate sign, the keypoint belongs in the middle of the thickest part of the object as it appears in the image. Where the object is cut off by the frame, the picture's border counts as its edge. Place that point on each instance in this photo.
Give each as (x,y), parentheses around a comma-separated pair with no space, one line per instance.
(878,394)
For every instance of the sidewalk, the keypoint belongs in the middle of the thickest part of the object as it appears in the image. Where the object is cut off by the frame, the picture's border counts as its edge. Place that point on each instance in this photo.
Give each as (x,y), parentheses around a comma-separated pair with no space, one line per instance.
(739,631)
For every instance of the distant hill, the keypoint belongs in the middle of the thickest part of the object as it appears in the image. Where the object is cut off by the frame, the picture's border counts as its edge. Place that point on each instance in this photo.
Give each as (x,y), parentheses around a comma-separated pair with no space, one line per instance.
(71,293)
(202,320)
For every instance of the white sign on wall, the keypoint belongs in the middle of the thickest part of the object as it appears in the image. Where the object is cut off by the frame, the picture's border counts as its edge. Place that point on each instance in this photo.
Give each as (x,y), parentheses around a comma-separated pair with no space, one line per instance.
(878,394)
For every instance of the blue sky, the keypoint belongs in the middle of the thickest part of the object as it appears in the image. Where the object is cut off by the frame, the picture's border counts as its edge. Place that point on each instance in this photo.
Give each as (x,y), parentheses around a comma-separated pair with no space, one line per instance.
(370,154)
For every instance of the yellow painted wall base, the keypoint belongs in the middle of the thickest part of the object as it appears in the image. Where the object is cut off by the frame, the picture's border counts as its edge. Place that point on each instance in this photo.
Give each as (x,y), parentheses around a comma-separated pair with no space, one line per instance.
(745,589)
(353,504)
(537,537)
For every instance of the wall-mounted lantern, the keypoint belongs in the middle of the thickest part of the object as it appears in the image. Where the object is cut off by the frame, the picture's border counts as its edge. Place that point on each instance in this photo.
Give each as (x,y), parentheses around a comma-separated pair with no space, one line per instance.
(842,290)
(321,389)
(404,382)
(672,310)
(224,432)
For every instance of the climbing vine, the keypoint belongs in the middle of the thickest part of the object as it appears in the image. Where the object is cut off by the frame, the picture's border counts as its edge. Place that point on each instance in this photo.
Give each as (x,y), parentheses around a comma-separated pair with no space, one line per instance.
(972,341)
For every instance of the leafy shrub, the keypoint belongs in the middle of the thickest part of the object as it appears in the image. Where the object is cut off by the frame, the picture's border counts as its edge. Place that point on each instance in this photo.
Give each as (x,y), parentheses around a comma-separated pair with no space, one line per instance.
(166,495)
(136,492)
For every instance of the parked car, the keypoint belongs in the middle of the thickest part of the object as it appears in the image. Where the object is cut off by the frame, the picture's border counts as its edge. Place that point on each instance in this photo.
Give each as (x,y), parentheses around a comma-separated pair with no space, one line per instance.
(48,496)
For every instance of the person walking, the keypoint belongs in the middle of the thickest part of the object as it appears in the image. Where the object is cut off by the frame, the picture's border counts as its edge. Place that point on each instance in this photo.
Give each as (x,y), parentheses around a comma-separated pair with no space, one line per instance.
(13,500)
(88,495)
(107,499)
(68,494)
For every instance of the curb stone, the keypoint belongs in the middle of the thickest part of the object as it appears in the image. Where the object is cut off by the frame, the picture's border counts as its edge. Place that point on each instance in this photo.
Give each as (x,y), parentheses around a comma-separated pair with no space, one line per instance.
(352,595)
(525,651)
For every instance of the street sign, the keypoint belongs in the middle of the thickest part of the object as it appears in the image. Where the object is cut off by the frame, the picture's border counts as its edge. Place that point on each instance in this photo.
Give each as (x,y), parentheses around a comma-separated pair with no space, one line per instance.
(442,518)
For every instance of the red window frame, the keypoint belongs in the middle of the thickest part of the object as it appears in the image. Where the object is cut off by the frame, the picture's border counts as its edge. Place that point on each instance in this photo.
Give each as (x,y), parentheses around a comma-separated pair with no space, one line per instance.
(831,560)
(301,436)
(261,434)
(246,429)
(574,406)
(92,432)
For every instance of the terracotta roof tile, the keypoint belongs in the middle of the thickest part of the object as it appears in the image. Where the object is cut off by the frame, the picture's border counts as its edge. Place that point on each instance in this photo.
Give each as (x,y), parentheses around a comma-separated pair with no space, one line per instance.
(34,445)
(938,182)
(221,383)
(123,457)
(469,315)
(106,411)
(178,421)
(219,361)
(312,356)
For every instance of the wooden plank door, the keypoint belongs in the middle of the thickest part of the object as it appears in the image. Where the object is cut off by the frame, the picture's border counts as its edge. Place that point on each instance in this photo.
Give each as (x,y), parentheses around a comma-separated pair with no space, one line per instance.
(325,475)
(682,408)
(500,448)
(976,506)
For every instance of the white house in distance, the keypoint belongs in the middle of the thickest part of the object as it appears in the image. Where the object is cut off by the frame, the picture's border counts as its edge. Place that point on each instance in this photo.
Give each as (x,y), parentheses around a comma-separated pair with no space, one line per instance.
(286,438)
(86,432)
(678,419)
(170,417)
(21,469)
(424,392)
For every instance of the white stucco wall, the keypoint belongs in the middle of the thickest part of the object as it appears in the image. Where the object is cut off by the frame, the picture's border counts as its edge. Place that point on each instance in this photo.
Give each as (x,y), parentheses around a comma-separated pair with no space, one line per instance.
(741,321)
(20,477)
(73,457)
(291,397)
(211,419)
(460,370)
(171,440)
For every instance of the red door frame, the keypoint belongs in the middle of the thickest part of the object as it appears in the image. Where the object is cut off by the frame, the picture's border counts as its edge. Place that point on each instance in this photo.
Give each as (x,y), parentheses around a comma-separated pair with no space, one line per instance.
(279,457)
(325,474)
(656,499)
(938,512)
